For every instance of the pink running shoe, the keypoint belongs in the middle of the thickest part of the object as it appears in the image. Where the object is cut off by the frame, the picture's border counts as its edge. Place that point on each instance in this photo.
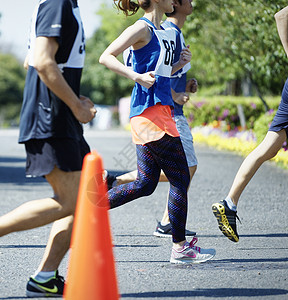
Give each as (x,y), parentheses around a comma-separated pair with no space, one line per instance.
(191,254)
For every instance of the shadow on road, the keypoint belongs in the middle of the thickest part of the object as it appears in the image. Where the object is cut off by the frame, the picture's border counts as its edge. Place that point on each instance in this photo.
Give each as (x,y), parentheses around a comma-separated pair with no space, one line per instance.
(12,170)
(16,175)
(209,293)
(266,235)
(21,246)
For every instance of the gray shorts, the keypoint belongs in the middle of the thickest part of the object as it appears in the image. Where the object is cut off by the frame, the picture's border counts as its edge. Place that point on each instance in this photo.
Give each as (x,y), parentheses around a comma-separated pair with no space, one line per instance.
(186,139)
(43,155)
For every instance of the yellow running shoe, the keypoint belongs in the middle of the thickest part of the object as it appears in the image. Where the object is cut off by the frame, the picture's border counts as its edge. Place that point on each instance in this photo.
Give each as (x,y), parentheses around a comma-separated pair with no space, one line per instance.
(226,219)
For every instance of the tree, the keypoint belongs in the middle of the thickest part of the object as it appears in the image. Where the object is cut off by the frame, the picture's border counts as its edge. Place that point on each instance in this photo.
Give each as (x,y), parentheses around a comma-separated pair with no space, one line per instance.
(234,39)
(12,79)
(99,83)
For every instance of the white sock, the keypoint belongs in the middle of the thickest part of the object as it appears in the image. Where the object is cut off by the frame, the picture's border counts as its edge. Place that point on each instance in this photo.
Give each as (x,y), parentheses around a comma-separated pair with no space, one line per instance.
(43,276)
(230,203)
(179,248)
(164,223)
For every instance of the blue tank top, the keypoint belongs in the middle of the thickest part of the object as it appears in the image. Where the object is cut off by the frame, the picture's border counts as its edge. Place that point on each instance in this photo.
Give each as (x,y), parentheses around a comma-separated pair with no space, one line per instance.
(157,56)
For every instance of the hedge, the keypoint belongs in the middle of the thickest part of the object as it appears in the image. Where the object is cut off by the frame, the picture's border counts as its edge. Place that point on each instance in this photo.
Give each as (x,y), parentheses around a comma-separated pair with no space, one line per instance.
(223,111)
(216,122)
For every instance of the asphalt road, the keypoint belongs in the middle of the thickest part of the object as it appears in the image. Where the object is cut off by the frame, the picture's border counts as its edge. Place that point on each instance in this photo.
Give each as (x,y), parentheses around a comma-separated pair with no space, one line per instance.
(256,267)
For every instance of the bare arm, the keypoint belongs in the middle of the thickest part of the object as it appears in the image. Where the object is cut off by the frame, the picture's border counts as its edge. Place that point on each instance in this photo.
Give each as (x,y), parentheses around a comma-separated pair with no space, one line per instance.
(180,98)
(25,64)
(183,97)
(281,18)
(185,58)
(50,74)
(137,36)
(191,85)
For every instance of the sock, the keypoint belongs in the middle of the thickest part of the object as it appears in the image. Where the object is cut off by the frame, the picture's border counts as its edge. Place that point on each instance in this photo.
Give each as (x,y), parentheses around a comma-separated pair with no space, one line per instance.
(43,276)
(230,203)
(164,223)
(179,248)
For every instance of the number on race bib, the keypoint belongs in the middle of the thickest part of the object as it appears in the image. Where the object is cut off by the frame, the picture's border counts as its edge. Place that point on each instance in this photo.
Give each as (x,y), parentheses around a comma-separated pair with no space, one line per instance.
(128,62)
(170,52)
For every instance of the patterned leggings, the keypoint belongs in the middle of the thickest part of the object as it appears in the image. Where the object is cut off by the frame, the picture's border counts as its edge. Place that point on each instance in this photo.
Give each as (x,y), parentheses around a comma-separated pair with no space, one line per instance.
(166,154)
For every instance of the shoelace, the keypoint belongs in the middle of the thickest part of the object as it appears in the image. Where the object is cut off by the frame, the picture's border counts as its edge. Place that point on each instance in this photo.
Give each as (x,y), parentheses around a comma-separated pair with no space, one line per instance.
(192,244)
(238,218)
(61,278)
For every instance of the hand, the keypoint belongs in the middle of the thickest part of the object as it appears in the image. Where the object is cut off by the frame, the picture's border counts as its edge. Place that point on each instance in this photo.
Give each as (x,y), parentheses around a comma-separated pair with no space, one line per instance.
(191,86)
(146,79)
(85,110)
(26,62)
(181,98)
(185,56)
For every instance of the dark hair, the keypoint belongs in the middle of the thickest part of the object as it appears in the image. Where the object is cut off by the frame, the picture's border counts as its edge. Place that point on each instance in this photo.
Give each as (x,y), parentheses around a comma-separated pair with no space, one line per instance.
(130,7)
(174,11)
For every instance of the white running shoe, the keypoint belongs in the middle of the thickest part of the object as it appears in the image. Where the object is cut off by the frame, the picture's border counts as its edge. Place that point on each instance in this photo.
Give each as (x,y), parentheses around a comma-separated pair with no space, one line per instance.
(191,254)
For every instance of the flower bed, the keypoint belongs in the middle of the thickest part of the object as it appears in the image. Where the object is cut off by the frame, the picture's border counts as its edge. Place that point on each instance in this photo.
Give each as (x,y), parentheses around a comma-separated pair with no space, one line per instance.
(203,111)
(241,142)
(217,122)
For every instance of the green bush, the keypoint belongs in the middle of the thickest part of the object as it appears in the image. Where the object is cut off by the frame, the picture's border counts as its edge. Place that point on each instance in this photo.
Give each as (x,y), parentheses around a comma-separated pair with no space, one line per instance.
(12,79)
(262,125)
(203,111)
(10,115)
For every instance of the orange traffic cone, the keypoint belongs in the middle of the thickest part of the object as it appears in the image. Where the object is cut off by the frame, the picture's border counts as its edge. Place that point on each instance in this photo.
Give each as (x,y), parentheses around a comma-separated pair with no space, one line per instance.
(91,270)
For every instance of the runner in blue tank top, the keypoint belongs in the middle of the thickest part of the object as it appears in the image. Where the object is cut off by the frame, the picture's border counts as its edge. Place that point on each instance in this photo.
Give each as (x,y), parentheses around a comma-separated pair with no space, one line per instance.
(159,63)
(225,210)
(181,87)
(153,57)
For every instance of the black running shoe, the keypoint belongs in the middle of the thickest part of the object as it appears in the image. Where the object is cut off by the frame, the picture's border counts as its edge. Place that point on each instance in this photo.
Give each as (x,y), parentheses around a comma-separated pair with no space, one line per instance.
(165,231)
(51,288)
(226,219)
(111,180)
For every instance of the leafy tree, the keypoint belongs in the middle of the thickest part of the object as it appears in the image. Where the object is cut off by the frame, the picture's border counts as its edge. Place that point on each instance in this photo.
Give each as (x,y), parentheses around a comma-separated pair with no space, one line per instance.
(99,83)
(233,39)
(12,79)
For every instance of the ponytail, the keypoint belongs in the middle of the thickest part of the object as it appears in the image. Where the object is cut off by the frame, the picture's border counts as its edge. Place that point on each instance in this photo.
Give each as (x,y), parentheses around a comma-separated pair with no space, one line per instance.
(130,7)
(127,6)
